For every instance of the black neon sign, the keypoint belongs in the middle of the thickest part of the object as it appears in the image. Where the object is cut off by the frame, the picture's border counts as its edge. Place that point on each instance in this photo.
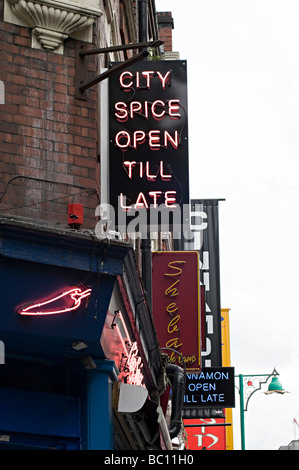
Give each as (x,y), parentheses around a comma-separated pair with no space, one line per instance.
(148,134)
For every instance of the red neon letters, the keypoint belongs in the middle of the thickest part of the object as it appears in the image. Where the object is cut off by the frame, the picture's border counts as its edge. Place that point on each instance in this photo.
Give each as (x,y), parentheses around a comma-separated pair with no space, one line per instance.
(158,109)
(67,301)
(144,170)
(134,366)
(142,79)
(124,139)
(136,112)
(152,201)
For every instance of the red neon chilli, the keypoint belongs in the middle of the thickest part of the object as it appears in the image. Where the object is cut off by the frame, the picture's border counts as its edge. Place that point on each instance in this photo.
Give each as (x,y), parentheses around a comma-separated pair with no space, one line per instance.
(74,294)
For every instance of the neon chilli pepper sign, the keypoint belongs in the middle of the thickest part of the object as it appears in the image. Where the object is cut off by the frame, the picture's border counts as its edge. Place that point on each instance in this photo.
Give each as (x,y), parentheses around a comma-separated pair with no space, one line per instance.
(67,301)
(148,137)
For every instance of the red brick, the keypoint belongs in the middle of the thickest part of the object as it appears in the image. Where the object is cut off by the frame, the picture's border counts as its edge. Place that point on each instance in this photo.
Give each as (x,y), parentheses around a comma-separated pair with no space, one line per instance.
(24,151)
(29,111)
(8,68)
(23,41)
(75,149)
(61,167)
(31,102)
(63,178)
(8,27)
(5,36)
(61,107)
(85,162)
(64,79)
(84,142)
(75,170)
(32,142)
(9,148)
(62,69)
(25,32)
(19,79)
(46,105)
(9,47)
(35,53)
(10,109)
(71,90)
(46,144)
(14,138)
(60,137)
(60,88)
(61,97)
(34,122)
(60,147)
(33,162)
(12,88)
(37,73)
(61,127)
(9,128)
(88,183)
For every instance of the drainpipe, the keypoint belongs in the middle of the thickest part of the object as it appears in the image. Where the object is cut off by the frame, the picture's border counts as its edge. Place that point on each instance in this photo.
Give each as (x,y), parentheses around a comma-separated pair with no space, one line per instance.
(145,242)
(146,250)
(176,376)
(143,20)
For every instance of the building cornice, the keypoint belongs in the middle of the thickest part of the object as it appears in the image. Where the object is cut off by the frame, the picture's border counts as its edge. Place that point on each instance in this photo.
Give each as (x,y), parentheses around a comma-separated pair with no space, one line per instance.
(52,21)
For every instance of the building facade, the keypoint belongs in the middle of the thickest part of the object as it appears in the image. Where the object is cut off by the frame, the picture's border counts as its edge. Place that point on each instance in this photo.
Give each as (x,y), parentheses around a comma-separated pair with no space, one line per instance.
(75,324)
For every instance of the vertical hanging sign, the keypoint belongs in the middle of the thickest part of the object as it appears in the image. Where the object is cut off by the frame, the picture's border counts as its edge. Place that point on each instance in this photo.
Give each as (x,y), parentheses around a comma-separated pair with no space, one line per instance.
(176,305)
(210,278)
(148,141)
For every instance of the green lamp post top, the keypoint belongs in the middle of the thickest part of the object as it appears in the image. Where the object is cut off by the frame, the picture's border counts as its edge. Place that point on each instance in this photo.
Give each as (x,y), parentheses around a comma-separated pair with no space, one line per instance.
(275,386)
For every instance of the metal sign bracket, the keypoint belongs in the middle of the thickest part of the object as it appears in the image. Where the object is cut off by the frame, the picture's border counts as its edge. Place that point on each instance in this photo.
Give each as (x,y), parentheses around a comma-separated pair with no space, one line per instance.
(82,82)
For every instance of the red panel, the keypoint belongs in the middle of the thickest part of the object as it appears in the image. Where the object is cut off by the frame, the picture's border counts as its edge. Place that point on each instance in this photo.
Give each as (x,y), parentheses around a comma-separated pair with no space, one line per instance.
(175,291)
(75,214)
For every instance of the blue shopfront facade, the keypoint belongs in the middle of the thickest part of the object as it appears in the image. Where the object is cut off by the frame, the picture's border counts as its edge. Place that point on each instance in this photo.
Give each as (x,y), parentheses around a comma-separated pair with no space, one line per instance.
(56,381)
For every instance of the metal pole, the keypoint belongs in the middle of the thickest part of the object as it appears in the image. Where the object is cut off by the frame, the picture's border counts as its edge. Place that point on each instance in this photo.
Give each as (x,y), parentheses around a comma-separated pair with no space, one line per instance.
(146,251)
(121,47)
(112,70)
(242,416)
(262,379)
(146,240)
(143,20)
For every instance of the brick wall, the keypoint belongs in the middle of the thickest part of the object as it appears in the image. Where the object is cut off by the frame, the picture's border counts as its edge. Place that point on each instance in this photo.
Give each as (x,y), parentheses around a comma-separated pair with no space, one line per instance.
(46,133)
(165,25)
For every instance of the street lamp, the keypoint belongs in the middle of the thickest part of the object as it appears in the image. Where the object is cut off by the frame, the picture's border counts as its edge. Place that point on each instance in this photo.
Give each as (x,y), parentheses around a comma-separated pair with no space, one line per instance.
(248,385)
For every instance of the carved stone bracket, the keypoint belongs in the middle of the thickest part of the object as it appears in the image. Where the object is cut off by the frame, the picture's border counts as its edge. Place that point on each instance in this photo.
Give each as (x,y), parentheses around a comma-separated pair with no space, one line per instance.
(52,21)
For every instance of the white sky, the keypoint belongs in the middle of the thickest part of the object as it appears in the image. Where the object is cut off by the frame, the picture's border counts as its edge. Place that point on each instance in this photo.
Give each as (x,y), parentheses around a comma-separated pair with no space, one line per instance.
(243,88)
